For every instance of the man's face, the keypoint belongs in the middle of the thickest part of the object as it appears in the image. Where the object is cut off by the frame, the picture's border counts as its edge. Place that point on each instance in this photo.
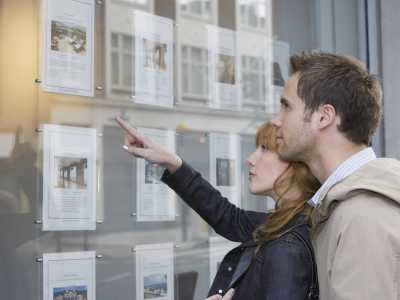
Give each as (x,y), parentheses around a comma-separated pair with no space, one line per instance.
(295,135)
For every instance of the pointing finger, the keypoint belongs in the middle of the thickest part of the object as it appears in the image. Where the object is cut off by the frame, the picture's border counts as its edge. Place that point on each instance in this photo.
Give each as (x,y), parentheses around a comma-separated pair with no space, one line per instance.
(129,129)
(138,152)
(125,125)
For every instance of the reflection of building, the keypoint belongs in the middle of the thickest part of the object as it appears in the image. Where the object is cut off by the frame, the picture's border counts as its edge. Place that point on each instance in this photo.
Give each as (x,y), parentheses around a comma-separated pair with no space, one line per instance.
(255,36)
(120,46)
(71,173)
(277,75)
(225,172)
(253,66)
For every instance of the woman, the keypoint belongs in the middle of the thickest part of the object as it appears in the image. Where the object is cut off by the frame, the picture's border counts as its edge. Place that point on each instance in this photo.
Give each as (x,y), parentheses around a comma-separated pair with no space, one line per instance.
(275,259)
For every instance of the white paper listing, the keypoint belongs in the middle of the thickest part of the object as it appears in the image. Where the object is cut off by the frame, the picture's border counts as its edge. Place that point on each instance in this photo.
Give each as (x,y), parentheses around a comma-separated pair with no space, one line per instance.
(224,73)
(67,50)
(224,165)
(69,178)
(155,271)
(69,276)
(155,201)
(154,59)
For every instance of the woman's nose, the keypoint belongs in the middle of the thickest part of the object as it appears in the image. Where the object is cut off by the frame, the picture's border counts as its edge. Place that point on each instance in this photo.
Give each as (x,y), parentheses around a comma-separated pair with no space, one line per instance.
(250,160)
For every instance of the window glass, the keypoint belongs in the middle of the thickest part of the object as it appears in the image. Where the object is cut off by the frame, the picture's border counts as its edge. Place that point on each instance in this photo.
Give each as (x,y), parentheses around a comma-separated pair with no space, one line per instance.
(127,70)
(199,76)
(196,7)
(127,42)
(115,71)
(114,40)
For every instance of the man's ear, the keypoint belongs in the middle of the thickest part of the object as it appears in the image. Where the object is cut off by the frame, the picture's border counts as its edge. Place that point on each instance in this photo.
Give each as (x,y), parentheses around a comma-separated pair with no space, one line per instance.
(327,116)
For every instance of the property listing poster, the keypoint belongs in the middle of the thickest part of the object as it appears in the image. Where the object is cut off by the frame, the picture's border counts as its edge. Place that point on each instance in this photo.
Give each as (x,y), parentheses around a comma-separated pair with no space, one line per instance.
(67,52)
(69,275)
(218,248)
(155,201)
(225,166)
(224,73)
(280,72)
(154,271)
(69,178)
(154,59)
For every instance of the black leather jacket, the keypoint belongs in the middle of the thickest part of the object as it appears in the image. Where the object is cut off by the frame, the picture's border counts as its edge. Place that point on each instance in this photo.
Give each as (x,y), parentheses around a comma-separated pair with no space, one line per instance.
(282,269)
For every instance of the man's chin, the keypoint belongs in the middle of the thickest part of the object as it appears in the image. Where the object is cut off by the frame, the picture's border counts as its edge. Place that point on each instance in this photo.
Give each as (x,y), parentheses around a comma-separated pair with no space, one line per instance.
(280,149)
(284,154)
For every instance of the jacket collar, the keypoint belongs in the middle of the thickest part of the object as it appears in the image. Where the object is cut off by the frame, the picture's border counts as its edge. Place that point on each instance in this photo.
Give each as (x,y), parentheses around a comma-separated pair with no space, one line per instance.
(380,177)
(346,168)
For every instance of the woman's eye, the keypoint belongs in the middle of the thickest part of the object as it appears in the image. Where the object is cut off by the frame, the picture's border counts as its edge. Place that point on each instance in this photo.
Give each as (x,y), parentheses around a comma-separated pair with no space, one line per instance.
(263,148)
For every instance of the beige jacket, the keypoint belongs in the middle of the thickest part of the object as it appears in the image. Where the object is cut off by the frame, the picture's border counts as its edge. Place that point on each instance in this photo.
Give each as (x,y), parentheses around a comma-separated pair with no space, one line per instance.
(357,235)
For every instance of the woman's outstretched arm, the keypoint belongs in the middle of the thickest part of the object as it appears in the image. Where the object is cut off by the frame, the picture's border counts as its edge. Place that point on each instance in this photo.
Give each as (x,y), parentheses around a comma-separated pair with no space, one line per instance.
(226,219)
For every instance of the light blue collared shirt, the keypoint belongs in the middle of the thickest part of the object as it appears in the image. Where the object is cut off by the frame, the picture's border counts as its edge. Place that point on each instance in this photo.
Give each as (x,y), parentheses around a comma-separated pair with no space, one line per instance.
(345,169)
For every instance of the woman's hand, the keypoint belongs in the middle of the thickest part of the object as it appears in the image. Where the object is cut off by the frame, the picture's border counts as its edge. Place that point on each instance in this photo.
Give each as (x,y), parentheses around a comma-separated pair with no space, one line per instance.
(228,296)
(142,147)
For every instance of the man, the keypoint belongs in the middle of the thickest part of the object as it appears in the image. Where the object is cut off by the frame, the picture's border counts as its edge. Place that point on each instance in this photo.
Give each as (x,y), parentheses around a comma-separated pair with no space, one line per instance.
(330,108)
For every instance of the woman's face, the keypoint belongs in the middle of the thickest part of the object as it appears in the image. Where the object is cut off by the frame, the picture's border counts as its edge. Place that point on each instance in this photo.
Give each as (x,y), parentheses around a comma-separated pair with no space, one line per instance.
(264,169)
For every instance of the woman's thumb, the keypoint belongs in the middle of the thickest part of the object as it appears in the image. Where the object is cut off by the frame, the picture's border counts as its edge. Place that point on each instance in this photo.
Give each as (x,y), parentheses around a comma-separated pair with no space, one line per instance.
(229,294)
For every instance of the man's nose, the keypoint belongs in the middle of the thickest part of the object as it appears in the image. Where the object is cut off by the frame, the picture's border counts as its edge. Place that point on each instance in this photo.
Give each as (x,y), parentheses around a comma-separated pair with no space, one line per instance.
(277,121)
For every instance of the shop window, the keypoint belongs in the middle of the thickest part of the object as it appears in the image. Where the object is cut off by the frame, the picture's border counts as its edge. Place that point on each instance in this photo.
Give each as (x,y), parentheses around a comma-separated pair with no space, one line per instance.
(194,72)
(253,80)
(122,63)
(196,8)
(253,14)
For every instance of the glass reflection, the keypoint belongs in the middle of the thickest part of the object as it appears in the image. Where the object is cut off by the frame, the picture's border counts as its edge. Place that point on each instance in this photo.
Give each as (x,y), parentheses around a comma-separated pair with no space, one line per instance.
(195,71)
(254,13)
(196,8)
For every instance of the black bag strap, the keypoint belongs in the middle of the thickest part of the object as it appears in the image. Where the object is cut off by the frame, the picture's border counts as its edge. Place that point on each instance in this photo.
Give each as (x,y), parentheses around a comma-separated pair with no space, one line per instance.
(313,293)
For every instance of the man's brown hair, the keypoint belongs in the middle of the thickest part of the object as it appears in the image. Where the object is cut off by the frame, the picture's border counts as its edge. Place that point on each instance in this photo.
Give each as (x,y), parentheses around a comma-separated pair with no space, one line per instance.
(344,83)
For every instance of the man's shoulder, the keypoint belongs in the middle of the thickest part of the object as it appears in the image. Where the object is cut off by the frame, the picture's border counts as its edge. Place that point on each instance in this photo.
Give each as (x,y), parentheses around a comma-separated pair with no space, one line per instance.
(379,179)
(382,166)
(367,207)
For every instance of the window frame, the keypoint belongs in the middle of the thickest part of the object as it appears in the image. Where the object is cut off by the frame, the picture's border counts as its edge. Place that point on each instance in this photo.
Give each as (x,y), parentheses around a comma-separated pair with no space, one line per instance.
(191,64)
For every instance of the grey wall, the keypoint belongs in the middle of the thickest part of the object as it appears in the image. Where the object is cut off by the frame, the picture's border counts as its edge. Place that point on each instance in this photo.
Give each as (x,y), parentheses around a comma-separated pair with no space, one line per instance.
(294,22)
(390,24)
